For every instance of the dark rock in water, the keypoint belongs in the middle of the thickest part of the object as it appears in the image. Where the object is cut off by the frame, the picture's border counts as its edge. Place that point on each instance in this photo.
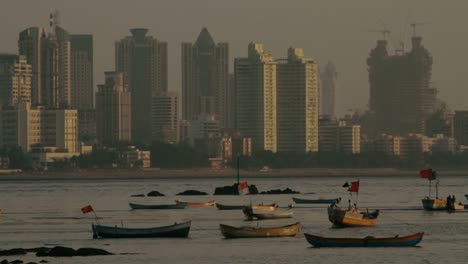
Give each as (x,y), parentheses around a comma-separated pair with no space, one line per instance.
(154,193)
(17,261)
(192,192)
(279,191)
(137,195)
(227,190)
(253,189)
(43,261)
(31,263)
(13,251)
(4,262)
(92,252)
(35,250)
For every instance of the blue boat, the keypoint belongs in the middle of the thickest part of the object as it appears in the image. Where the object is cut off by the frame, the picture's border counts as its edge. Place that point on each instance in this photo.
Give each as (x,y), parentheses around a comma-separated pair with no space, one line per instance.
(369,241)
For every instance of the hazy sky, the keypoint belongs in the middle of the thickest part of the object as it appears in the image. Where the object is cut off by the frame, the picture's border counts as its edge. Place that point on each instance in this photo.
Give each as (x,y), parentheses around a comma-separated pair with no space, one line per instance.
(334,30)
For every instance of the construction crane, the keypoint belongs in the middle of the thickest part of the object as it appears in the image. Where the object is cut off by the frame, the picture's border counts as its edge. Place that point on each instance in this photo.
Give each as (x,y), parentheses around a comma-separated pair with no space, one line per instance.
(413,25)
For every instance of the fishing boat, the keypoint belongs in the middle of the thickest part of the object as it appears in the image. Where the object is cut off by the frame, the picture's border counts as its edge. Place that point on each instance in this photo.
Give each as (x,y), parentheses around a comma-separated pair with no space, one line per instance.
(175,230)
(351,217)
(254,232)
(252,214)
(269,207)
(429,203)
(316,201)
(466,196)
(209,203)
(369,241)
(158,206)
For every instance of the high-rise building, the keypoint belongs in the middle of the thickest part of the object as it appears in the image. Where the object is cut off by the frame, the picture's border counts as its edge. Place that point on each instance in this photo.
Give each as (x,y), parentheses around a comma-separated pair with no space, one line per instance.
(327,90)
(401,93)
(143,61)
(338,136)
(165,123)
(50,57)
(461,127)
(231,103)
(113,110)
(15,80)
(82,97)
(205,78)
(297,103)
(255,85)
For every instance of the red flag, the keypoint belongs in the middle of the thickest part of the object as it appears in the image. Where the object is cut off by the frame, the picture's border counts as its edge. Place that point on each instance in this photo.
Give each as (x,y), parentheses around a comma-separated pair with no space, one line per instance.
(243,188)
(427,174)
(354,187)
(87,209)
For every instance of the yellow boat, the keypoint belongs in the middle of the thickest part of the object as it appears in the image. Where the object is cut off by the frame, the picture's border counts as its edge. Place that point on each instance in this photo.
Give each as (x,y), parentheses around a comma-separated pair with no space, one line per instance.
(351,217)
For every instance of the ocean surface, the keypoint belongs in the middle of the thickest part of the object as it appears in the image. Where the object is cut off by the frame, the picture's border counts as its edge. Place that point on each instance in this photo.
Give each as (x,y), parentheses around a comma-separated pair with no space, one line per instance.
(47,213)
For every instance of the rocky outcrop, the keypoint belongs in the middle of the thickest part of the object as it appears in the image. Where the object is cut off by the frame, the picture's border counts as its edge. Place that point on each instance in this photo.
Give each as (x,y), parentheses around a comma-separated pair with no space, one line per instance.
(279,191)
(60,251)
(137,195)
(154,193)
(227,190)
(13,251)
(192,192)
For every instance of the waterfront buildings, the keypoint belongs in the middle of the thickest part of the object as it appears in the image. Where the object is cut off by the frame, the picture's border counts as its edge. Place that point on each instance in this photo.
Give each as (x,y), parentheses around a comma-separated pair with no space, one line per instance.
(205,78)
(165,121)
(82,71)
(15,80)
(338,136)
(461,127)
(113,110)
(256,87)
(297,103)
(143,61)
(327,90)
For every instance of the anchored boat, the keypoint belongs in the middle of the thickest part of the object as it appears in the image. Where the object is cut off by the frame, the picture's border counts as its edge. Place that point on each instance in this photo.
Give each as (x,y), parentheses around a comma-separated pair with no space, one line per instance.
(263,214)
(158,206)
(175,230)
(209,203)
(316,201)
(369,241)
(254,232)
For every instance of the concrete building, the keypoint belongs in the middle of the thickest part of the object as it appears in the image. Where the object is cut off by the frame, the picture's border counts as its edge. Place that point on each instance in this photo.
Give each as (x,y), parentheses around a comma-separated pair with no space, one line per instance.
(205,78)
(15,80)
(256,87)
(388,144)
(297,103)
(231,104)
(50,57)
(135,158)
(87,126)
(143,61)
(401,92)
(113,110)
(414,146)
(82,72)
(165,121)
(327,90)
(442,144)
(338,136)
(461,127)
(27,127)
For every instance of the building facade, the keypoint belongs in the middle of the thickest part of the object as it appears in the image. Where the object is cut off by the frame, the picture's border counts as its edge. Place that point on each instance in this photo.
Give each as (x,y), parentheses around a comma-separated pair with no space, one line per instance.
(15,80)
(165,121)
(297,103)
(82,71)
(113,110)
(327,90)
(256,87)
(205,78)
(461,127)
(143,61)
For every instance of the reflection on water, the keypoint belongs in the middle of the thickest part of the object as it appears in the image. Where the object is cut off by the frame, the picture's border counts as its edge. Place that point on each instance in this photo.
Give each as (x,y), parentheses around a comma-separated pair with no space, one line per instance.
(48,213)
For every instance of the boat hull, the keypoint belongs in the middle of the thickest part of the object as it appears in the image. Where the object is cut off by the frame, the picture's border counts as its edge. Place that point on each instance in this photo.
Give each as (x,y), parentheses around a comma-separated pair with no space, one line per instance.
(351,218)
(316,201)
(405,241)
(258,232)
(434,204)
(210,203)
(175,230)
(263,215)
(158,207)
(269,207)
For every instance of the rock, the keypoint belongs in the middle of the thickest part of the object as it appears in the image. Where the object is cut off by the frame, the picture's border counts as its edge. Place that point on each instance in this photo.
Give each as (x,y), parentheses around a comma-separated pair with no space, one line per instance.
(154,193)
(31,263)
(17,261)
(57,251)
(43,261)
(279,191)
(227,190)
(137,195)
(4,262)
(192,192)
(92,252)
(35,250)
(253,189)
(13,251)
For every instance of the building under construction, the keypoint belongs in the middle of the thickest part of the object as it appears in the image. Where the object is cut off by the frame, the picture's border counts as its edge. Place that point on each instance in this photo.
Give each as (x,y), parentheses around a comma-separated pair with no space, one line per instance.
(401,95)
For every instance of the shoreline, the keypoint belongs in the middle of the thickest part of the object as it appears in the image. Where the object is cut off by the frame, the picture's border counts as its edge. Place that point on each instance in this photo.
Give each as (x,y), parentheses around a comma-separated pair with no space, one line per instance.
(194,173)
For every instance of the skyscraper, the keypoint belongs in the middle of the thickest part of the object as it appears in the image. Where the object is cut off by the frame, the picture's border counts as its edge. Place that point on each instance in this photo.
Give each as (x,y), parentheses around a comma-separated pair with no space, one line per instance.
(113,110)
(401,93)
(255,85)
(165,123)
(143,61)
(205,78)
(15,80)
(297,103)
(82,72)
(327,90)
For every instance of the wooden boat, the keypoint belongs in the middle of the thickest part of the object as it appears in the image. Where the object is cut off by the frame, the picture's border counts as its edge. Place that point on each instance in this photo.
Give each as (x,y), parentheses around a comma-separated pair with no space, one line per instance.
(269,207)
(436,204)
(175,230)
(253,232)
(158,206)
(351,217)
(264,214)
(316,201)
(210,203)
(404,241)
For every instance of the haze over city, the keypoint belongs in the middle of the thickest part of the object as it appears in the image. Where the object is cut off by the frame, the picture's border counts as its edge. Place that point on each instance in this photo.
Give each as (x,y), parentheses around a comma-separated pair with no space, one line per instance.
(341,32)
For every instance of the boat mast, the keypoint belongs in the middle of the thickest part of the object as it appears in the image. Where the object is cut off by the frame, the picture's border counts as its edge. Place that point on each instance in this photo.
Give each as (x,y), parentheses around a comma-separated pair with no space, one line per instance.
(238,180)
(430,185)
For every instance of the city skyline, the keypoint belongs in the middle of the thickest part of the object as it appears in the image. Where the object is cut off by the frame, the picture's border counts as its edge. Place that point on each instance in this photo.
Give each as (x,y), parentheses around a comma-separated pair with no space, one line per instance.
(344,41)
